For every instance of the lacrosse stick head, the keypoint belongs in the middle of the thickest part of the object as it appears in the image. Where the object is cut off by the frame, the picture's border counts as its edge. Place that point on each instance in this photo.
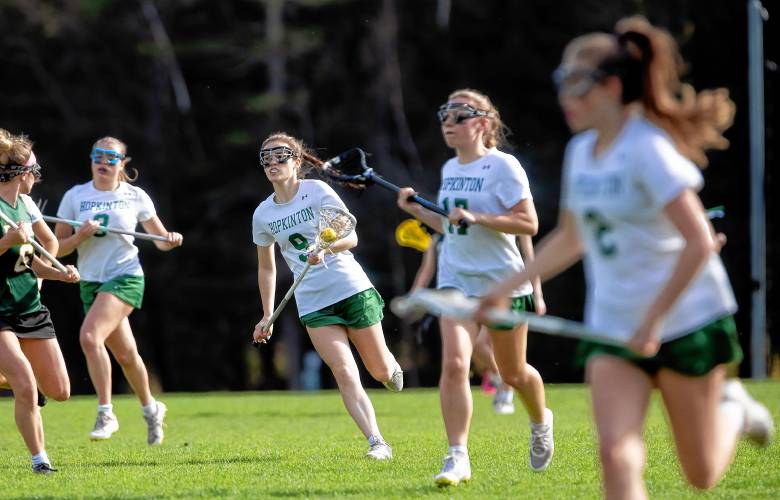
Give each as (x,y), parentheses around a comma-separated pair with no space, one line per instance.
(449,302)
(410,233)
(333,224)
(349,168)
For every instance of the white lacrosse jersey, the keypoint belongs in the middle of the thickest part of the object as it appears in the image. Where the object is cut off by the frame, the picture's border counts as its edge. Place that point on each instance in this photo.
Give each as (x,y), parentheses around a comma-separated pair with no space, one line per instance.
(32,208)
(293,226)
(631,246)
(476,258)
(106,255)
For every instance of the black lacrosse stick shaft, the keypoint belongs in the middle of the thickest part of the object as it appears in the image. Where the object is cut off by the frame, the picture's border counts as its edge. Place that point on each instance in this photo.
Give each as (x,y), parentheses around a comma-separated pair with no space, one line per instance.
(417,199)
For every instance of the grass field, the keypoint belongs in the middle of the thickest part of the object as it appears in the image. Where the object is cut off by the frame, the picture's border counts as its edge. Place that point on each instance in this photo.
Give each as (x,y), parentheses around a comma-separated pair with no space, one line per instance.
(275,445)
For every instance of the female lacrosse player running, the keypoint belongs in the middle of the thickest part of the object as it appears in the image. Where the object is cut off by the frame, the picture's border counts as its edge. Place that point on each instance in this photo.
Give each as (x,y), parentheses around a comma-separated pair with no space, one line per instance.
(336,301)
(489,191)
(655,281)
(28,345)
(482,352)
(113,281)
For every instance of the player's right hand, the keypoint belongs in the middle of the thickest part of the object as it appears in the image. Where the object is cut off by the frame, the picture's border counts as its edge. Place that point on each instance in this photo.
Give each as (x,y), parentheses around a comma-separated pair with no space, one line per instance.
(18,236)
(88,229)
(261,335)
(403,200)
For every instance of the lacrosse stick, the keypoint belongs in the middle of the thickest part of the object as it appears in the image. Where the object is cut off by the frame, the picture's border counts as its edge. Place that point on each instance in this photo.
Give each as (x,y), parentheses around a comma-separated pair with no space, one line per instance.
(140,236)
(451,303)
(333,224)
(36,245)
(410,233)
(349,168)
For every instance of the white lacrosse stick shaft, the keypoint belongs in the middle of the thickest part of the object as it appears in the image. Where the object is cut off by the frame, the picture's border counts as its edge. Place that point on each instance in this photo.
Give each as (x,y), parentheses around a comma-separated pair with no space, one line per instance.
(140,236)
(54,262)
(453,304)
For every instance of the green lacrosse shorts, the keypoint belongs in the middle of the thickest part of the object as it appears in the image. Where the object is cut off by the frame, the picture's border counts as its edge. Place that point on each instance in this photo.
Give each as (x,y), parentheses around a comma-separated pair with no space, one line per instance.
(524,303)
(356,311)
(694,354)
(127,288)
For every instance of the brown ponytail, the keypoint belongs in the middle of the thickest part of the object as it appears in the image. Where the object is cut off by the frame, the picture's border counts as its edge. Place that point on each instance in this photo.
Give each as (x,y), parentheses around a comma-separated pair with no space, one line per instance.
(652,66)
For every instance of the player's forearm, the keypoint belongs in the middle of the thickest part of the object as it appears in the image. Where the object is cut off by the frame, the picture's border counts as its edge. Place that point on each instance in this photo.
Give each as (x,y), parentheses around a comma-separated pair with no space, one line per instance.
(68,245)
(519,223)
(267,283)
(430,219)
(527,251)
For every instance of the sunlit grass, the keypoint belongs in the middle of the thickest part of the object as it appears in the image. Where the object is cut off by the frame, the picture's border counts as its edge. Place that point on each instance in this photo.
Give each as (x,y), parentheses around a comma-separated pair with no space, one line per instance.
(305,445)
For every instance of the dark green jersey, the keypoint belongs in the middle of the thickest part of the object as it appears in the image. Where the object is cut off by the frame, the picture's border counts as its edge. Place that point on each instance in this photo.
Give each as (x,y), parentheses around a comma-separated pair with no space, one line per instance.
(18,283)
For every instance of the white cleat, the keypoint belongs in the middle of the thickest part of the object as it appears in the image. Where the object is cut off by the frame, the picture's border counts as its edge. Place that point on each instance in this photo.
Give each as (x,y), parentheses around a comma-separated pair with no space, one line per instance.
(456,470)
(542,445)
(155,424)
(396,382)
(105,425)
(758,424)
(380,451)
(502,402)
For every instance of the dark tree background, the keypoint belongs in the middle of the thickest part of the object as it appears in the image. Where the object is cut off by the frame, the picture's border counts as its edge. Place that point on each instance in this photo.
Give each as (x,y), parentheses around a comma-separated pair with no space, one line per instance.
(192,86)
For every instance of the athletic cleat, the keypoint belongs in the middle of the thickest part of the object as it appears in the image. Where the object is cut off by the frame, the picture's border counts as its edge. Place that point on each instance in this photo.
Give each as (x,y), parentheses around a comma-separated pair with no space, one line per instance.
(42,400)
(43,468)
(456,469)
(380,451)
(105,425)
(542,446)
(758,424)
(502,402)
(155,425)
(396,382)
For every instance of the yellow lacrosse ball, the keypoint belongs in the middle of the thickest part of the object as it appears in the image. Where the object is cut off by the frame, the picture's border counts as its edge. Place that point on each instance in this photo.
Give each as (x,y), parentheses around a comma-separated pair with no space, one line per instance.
(328,235)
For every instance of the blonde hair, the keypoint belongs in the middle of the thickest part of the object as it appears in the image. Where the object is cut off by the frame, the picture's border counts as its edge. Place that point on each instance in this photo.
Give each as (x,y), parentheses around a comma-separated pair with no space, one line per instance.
(649,65)
(121,147)
(497,132)
(309,160)
(14,148)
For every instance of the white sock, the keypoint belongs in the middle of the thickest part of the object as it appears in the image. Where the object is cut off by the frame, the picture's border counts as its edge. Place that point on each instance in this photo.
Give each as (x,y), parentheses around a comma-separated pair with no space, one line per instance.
(40,458)
(535,425)
(733,412)
(374,439)
(459,448)
(150,409)
(109,408)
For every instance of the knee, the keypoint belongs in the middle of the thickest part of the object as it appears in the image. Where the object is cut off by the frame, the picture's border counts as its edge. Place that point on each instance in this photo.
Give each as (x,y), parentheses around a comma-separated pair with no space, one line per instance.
(25,391)
(622,458)
(89,340)
(517,378)
(455,369)
(344,374)
(701,474)
(59,393)
(126,358)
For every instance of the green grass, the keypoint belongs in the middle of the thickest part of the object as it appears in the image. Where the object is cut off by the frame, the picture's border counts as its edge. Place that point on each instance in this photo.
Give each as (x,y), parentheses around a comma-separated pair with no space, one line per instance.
(277,445)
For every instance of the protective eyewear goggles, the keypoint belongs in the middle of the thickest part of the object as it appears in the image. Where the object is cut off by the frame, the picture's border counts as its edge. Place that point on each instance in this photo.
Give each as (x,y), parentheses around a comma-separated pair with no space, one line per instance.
(278,154)
(576,82)
(459,112)
(100,155)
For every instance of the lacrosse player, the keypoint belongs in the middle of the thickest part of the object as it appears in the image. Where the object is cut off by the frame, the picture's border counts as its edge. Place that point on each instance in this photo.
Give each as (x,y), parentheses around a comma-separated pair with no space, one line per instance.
(29,351)
(112,283)
(630,208)
(487,190)
(336,301)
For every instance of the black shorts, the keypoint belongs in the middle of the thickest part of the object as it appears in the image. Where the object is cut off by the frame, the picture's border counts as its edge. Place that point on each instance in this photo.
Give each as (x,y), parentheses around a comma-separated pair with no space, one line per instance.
(34,325)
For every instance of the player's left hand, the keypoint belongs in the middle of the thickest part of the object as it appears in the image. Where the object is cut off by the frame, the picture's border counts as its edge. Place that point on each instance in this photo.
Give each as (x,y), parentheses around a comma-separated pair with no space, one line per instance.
(540,306)
(488,302)
(645,341)
(458,215)
(174,240)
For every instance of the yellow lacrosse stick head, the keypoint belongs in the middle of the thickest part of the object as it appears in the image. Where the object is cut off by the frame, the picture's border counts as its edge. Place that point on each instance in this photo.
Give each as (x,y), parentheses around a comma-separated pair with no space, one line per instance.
(410,233)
